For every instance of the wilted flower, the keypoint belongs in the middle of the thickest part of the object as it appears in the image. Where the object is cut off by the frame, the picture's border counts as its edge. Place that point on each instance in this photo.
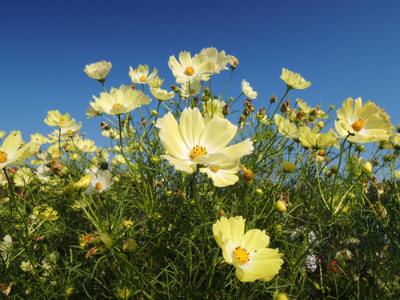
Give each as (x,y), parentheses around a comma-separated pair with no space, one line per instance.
(248,91)
(363,124)
(248,251)
(294,80)
(98,70)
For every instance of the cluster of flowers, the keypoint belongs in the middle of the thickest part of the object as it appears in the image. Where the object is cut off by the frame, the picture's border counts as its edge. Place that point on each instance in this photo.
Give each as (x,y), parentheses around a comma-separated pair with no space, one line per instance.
(199,139)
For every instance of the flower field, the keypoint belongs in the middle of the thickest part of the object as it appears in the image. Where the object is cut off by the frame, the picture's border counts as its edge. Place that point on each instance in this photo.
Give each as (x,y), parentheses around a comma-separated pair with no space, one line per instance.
(197,194)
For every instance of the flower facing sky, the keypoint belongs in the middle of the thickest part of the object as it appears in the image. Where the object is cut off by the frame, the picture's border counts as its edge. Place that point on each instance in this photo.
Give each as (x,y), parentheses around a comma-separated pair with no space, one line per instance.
(294,80)
(189,68)
(218,60)
(248,252)
(194,142)
(98,70)
(141,74)
(56,119)
(363,123)
(161,94)
(118,101)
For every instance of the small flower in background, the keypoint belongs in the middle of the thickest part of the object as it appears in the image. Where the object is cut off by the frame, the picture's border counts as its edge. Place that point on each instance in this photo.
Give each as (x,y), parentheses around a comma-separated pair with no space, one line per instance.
(280,296)
(248,251)
(124,293)
(218,60)
(312,138)
(98,70)
(71,130)
(155,82)
(234,62)
(39,139)
(14,151)
(286,128)
(288,166)
(189,68)
(161,94)
(141,74)
(294,80)
(248,91)
(56,119)
(119,101)
(23,176)
(5,288)
(367,167)
(397,174)
(101,181)
(5,248)
(26,266)
(363,123)
(213,108)
(49,214)
(190,88)
(127,223)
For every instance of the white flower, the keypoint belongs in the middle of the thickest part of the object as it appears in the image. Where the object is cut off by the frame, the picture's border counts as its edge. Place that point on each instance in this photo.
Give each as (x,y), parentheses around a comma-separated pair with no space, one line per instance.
(13,150)
(71,130)
(100,182)
(213,108)
(188,68)
(6,247)
(141,74)
(98,70)
(248,90)
(190,88)
(294,80)
(193,142)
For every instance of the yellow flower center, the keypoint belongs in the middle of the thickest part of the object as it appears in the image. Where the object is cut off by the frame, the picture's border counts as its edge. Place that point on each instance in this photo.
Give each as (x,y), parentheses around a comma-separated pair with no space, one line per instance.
(189,71)
(3,157)
(358,125)
(214,169)
(142,78)
(98,186)
(116,107)
(241,255)
(197,151)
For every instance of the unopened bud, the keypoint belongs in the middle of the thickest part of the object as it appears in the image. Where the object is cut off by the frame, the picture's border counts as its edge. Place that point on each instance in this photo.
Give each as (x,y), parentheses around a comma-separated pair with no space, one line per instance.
(280,206)
(288,167)
(129,246)
(367,167)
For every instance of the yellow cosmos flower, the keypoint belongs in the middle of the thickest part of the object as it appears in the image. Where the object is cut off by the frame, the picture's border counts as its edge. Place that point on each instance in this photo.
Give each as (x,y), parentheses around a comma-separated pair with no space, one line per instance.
(85,145)
(363,123)
(213,108)
(56,119)
(23,176)
(14,151)
(119,101)
(71,130)
(141,74)
(193,141)
(392,143)
(161,94)
(286,128)
(248,91)
(294,80)
(2,134)
(218,60)
(312,138)
(190,88)
(248,251)
(155,82)
(39,139)
(189,68)
(98,70)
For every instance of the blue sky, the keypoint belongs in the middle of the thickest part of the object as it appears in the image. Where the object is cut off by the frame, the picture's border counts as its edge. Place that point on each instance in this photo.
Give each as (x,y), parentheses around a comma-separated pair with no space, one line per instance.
(346,48)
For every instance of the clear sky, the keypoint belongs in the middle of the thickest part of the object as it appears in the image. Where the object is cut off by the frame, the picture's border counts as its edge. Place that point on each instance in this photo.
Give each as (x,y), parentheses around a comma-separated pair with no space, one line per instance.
(346,48)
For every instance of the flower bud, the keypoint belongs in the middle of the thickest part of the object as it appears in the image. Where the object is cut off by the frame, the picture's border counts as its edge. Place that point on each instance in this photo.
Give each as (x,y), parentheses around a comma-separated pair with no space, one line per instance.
(397,174)
(154,112)
(69,291)
(129,246)
(248,174)
(280,296)
(280,206)
(367,167)
(273,99)
(259,191)
(288,166)
(234,62)
(360,148)
(321,124)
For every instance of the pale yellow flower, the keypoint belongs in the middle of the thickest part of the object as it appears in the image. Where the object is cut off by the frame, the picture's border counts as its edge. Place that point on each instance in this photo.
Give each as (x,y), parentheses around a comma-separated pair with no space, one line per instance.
(85,145)
(155,82)
(248,252)
(312,138)
(23,176)
(119,101)
(190,89)
(363,123)
(161,94)
(71,130)
(2,134)
(141,74)
(49,214)
(294,80)
(218,60)
(56,119)
(98,70)
(189,68)
(213,108)
(39,139)
(193,141)
(14,151)
(248,91)
(286,128)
